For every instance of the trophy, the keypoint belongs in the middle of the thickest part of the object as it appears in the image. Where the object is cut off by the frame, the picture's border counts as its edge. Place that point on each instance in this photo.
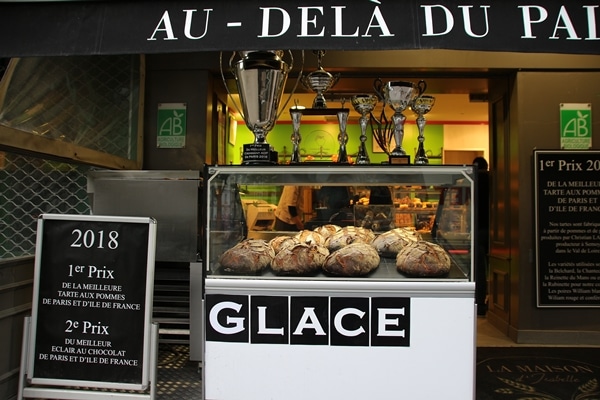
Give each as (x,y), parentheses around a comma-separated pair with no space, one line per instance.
(421,106)
(364,105)
(398,95)
(296,138)
(342,116)
(260,77)
(319,81)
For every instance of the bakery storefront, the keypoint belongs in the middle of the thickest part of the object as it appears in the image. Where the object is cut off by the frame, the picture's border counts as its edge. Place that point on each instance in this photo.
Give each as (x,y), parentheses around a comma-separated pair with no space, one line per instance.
(382,265)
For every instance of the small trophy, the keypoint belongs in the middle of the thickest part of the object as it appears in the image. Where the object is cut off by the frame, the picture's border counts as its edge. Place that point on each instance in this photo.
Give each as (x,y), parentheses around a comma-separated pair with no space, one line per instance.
(421,106)
(398,95)
(319,81)
(296,137)
(260,77)
(342,117)
(364,105)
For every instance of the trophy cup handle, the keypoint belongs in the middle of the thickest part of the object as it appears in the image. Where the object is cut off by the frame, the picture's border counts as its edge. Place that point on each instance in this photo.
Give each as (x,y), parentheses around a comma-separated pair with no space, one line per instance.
(422,86)
(336,79)
(378,87)
(237,107)
(235,104)
(295,84)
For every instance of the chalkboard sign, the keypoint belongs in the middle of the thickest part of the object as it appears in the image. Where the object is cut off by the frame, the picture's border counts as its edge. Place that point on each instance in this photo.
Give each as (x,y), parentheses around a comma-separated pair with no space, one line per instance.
(567,228)
(91,312)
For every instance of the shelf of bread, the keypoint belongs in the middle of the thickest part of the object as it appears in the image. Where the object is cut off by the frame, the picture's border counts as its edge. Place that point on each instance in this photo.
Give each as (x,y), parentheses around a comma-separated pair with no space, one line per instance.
(331,251)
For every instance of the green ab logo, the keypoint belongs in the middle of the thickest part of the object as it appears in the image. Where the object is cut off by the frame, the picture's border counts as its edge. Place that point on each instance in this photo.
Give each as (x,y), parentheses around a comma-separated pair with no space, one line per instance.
(172,125)
(576,123)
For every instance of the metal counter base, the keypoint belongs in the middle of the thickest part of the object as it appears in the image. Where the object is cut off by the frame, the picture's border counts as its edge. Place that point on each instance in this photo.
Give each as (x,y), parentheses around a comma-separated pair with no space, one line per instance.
(297,340)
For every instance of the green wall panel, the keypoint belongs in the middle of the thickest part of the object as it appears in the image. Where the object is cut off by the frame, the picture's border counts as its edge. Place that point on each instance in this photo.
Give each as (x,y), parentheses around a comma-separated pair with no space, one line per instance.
(321,142)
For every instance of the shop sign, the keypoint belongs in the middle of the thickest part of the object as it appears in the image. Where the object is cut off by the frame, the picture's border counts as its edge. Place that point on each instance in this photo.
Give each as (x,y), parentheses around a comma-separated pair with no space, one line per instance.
(134,27)
(171,126)
(575,126)
(302,320)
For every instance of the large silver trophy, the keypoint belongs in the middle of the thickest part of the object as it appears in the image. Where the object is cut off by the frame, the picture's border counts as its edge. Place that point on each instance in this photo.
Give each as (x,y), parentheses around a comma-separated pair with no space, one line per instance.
(398,95)
(320,81)
(260,77)
(364,105)
(421,106)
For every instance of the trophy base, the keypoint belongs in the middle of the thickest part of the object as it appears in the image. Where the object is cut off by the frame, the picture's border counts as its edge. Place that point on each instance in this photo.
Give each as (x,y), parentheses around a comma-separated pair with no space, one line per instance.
(259,154)
(399,160)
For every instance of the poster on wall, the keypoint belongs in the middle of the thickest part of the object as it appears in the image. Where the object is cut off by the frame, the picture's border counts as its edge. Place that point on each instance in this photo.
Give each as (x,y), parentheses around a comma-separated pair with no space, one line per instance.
(567,227)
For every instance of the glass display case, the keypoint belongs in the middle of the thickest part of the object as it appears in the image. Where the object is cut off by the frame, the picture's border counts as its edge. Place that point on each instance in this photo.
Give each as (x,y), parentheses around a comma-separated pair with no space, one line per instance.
(344,303)
(432,201)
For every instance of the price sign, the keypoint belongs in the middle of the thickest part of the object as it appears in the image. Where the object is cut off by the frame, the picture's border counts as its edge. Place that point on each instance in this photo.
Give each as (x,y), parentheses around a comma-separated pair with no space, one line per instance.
(92,301)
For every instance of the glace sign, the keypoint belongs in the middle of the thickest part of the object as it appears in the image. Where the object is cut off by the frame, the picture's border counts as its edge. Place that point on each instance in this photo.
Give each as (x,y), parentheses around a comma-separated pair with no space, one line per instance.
(301,320)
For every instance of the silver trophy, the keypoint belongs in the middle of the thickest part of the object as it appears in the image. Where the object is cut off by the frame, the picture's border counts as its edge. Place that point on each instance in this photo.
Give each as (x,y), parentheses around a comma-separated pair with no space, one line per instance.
(260,77)
(319,81)
(398,95)
(296,138)
(342,117)
(364,105)
(421,106)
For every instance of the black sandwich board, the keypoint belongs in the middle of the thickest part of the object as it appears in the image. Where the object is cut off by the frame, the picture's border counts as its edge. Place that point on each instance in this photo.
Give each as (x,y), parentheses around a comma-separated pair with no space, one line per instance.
(92,303)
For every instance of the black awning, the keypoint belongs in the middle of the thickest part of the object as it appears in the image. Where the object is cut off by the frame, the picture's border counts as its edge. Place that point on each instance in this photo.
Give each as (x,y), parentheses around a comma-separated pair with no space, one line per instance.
(146,27)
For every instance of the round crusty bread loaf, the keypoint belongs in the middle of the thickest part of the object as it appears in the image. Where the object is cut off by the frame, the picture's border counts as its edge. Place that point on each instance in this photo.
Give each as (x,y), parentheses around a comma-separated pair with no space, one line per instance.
(423,259)
(249,256)
(349,235)
(280,242)
(310,237)
(389,243)
(327,230)
(355,259)
(300,259)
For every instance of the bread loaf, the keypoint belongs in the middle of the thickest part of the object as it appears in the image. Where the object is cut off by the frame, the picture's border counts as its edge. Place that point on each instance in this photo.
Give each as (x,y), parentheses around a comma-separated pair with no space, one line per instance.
(327,230)
(349,235)
(300,259)
(423,259)
(250,256)
(355,259)
(310,237)
(280,242)
(388,244)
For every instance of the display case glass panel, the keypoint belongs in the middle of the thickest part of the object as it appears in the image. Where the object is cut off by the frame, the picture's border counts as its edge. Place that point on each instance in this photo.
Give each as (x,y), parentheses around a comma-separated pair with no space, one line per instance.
(431,202)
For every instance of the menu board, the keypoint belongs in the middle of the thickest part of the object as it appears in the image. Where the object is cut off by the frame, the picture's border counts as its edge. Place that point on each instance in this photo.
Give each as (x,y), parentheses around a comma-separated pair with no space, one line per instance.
(567,228)
(92,301)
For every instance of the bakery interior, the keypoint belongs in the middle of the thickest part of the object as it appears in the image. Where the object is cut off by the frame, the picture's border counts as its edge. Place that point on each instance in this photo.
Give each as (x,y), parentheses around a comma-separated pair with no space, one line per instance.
(460,112)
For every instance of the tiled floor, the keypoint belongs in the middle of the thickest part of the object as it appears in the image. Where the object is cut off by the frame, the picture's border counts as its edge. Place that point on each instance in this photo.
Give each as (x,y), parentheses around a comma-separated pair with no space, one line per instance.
(489,336)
